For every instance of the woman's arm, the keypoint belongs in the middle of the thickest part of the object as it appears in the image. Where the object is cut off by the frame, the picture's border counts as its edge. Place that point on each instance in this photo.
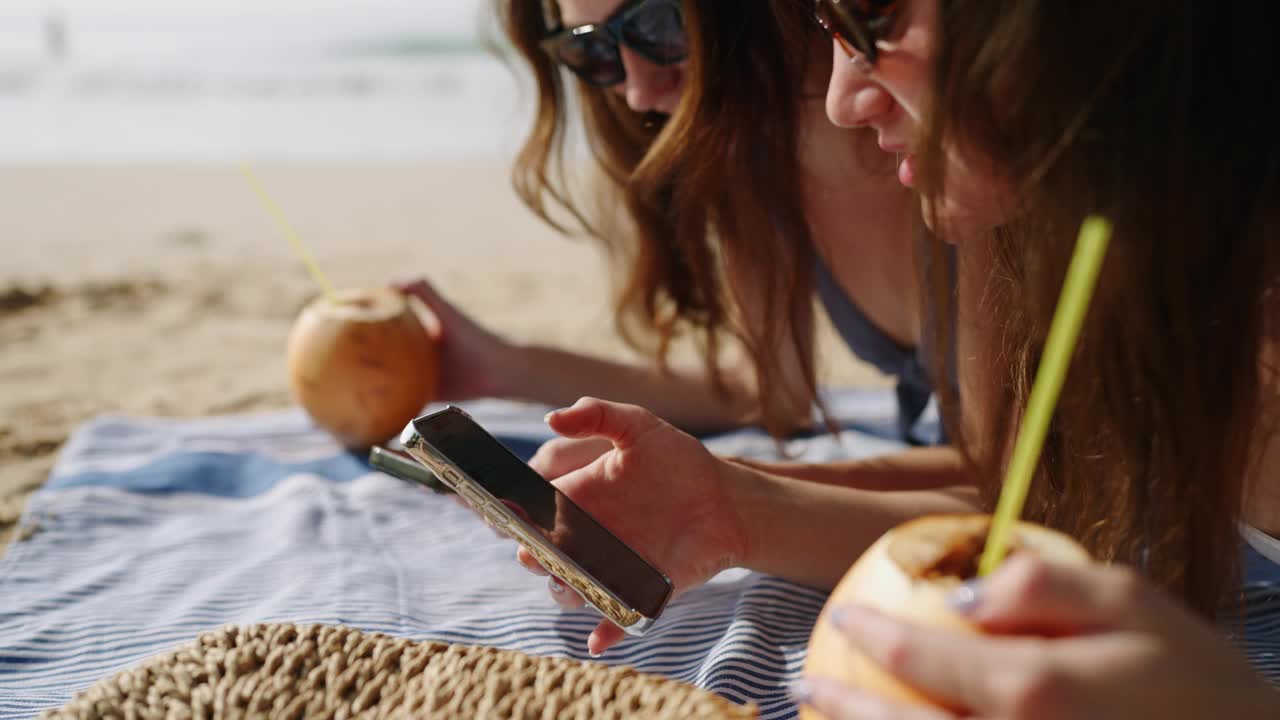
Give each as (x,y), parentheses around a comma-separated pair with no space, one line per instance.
(476,362)
(683,395)
(923,468)
(810,532)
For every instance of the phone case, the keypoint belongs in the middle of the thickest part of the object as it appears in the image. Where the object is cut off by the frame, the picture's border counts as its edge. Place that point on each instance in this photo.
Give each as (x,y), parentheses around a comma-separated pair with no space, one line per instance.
(392,463)
(551,558)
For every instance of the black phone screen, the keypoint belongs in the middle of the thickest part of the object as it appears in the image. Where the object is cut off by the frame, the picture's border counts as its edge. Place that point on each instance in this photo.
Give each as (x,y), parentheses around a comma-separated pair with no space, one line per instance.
(566,525)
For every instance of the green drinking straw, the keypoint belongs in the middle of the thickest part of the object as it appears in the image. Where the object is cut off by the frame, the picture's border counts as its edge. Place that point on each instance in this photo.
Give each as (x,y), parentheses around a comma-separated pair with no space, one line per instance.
(286,229)
(1073,304)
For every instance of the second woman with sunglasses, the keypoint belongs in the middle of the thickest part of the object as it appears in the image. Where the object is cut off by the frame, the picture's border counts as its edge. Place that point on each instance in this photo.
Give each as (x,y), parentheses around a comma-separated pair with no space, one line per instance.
(1164,453)
(737,215)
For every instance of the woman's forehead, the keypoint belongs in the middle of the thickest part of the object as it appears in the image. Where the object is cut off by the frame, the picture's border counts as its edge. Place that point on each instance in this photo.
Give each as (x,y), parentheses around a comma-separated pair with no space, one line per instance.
(583,12)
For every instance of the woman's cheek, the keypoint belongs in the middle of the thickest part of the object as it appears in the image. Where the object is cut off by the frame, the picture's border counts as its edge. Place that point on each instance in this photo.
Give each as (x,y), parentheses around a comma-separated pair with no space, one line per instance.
(974,201)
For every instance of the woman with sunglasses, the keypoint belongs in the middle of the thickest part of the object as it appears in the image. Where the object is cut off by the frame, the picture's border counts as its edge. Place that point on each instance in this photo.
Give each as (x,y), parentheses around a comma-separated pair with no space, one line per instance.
(743,203)
(738,213)
(1164,453)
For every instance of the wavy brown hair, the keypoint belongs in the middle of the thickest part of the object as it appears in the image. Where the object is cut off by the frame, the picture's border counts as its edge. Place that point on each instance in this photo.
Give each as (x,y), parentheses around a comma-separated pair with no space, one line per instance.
(712,195)
(1160,117)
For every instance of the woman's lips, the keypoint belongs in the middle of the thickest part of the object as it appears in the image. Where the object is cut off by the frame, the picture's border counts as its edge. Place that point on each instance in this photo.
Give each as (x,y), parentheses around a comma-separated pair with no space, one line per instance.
(907,170)
(906,164)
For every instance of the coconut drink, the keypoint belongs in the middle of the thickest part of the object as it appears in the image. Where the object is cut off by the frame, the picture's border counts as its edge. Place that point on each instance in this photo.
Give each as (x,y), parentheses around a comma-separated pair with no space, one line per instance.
(908,574)
(362,364)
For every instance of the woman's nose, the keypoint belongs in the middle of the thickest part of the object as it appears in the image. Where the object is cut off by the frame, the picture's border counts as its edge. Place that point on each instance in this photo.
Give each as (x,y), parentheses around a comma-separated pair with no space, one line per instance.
(853,99)
(649,86)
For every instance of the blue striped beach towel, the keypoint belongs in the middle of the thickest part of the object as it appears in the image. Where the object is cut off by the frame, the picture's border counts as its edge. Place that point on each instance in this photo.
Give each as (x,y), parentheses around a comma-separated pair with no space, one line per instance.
(151,531)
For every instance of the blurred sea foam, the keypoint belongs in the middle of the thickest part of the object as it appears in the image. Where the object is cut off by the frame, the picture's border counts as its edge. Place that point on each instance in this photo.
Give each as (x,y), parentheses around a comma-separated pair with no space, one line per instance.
(275,80)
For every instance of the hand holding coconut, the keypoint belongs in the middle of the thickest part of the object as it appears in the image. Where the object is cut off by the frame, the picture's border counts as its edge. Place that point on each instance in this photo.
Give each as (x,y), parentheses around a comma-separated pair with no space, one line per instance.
(362,364)
(365,362)
(907,574)
(1061,641)
(471,355)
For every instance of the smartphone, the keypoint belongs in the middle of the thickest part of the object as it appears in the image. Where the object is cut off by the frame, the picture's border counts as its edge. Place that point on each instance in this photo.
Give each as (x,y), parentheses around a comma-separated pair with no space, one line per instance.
(402,465)
(570,544)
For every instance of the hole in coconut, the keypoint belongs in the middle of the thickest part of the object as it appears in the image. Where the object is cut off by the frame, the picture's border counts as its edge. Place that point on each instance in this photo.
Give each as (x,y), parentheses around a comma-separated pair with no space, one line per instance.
(946,553)
(359,302)
(959,560)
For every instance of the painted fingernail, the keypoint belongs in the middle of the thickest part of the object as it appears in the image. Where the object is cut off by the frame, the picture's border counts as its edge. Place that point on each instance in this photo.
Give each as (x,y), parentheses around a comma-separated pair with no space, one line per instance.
(966,598)
(801,691)
(840,617)
(860,624)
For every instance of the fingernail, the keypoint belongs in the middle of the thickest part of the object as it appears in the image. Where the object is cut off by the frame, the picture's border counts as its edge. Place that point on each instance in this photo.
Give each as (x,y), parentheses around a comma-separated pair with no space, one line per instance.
(860,624)
(547,418)
(801,691)
(593,653)
(555,586)
(840,617)
(966,598)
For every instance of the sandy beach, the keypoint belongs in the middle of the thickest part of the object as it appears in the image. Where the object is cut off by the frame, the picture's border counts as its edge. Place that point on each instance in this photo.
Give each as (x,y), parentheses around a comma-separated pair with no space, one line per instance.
(166,290)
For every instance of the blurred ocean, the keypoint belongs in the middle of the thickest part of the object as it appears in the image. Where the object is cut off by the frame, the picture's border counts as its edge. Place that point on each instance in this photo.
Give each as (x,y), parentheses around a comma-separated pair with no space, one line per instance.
(267,80)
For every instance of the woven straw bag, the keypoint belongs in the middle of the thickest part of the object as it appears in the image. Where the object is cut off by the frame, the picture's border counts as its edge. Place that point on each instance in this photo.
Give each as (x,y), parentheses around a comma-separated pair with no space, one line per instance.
(319,671)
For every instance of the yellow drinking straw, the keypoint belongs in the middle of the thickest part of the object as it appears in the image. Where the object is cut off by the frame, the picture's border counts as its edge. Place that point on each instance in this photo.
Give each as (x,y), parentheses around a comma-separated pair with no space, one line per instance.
(1073,304)
(287,230)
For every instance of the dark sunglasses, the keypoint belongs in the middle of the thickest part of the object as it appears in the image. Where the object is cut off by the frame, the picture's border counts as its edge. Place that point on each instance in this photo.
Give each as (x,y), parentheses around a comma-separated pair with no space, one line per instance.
(652,28)
(856,24)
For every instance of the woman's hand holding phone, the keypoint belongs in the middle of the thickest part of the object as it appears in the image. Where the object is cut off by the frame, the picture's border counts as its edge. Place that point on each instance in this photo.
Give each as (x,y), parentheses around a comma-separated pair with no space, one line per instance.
(656,488)
(562,455)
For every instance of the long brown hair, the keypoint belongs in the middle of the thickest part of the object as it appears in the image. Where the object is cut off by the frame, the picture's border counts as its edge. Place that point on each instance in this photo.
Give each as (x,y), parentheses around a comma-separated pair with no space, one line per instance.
(713,197)
(1160,117)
